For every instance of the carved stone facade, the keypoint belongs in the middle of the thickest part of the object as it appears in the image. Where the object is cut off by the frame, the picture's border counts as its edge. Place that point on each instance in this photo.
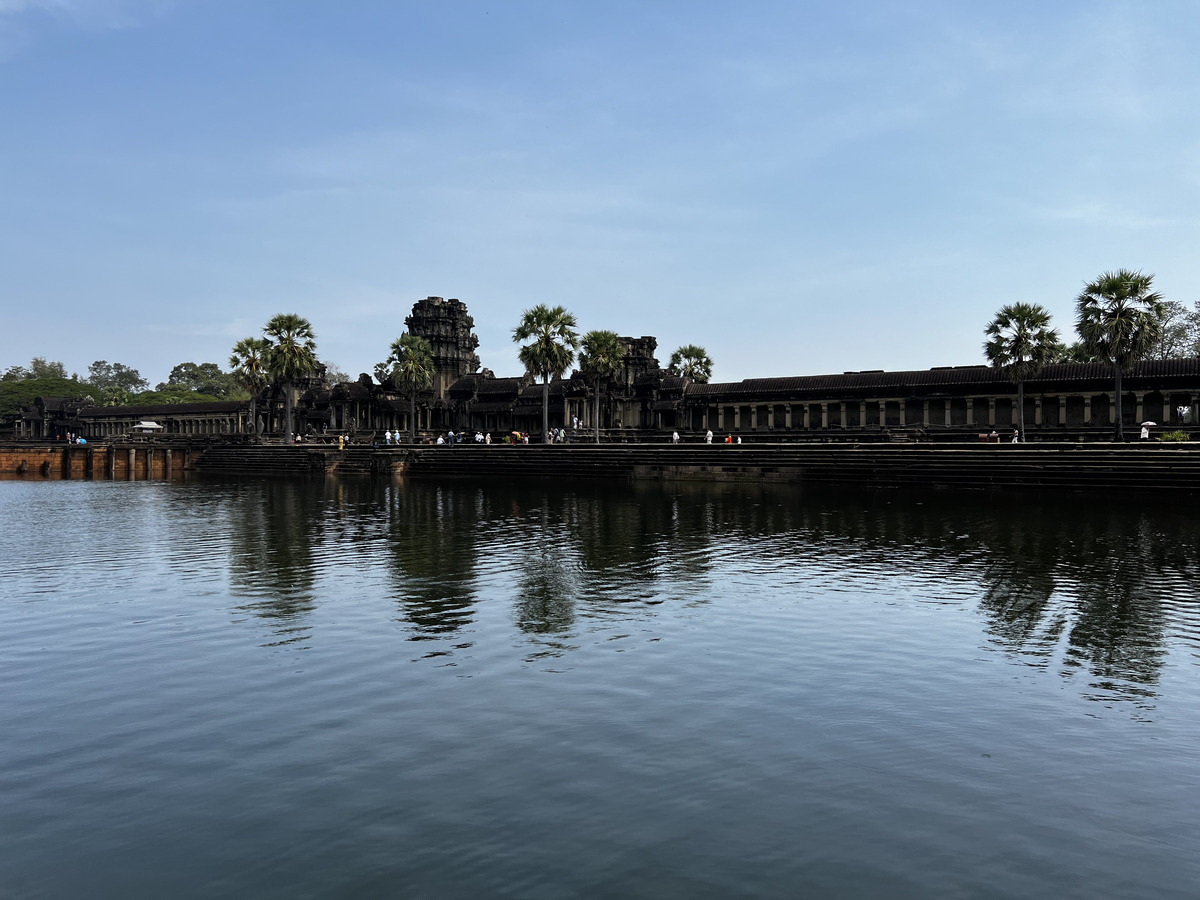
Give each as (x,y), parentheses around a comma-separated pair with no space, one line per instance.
(448,328)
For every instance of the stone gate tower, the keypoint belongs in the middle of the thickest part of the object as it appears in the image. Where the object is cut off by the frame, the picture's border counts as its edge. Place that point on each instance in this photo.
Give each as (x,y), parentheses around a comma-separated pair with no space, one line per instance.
(447,327)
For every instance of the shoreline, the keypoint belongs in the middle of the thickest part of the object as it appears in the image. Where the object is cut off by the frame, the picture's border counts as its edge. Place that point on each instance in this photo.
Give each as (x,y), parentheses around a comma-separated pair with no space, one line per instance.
(1137,466)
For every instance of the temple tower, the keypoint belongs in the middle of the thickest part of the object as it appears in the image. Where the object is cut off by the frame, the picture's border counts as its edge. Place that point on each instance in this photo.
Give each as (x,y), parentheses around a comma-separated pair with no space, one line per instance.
(447,327)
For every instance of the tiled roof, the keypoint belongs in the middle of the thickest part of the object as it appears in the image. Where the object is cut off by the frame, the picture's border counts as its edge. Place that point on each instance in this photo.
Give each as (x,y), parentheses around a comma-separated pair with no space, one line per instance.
(948,380)
(152,410)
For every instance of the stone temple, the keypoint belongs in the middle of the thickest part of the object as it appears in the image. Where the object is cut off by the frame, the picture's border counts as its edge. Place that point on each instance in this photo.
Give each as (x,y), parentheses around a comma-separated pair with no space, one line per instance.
(645,403)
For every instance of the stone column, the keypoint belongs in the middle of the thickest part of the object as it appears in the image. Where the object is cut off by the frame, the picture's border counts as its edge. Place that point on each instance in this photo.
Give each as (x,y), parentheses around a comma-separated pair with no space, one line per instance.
(787,416)
(1112,408)
(992,412)
(737,417)
(132,463)
(824,415)
(149,463)
(1087,410)
(862,413)
(971,411)
(754,417)
(925,413)
(1037,410)
(1140,401)
(112,463)
(883,414)
(1062,411)
(167,464)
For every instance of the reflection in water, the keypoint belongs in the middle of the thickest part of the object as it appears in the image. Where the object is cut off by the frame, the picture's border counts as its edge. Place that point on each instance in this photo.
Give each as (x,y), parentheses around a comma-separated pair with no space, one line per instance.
(431,535)
(1077,586)
(273,530)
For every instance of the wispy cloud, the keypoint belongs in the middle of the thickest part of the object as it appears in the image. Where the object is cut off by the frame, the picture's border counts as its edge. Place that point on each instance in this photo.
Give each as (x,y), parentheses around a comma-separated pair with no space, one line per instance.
(89,14)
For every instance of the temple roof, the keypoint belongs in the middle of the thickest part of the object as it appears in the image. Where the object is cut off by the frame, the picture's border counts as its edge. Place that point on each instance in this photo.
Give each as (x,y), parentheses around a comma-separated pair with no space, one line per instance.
(951,379)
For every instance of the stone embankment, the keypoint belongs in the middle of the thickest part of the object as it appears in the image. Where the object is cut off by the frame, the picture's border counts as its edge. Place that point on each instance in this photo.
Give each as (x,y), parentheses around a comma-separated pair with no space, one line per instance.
(1071,467)
(113,461)
(1077,467)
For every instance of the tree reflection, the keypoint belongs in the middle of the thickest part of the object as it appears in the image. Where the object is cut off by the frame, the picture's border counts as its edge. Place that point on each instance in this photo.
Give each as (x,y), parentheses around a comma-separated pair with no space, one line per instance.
(431,533)
(271,555)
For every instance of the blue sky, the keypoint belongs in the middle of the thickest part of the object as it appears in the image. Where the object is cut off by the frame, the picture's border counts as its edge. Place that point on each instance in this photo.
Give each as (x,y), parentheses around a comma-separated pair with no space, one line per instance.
(801,188)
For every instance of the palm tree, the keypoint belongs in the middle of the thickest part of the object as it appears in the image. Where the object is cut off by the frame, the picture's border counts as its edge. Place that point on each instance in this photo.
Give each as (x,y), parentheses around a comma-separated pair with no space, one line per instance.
(1074,353)
(601,358)
(409,366)
(1119,320)
(248,363)
(691,362)
(292,355)
(1021,342)
(552,350)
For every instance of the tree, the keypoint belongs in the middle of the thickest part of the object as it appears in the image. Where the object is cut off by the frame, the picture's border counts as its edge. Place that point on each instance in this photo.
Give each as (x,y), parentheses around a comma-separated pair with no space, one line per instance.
(248,363)
(334,374)
(1119,319)
(106,376)
(553,342)
(202,378)
(1175,335)
(39,368)
(691,362)
(1074,353)
(1020,342)
(409,367)
(600,359)
(292,355)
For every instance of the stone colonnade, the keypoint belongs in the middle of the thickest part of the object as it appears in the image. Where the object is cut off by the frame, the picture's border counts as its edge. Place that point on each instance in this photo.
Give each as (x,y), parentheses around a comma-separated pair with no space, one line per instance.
(1042,410)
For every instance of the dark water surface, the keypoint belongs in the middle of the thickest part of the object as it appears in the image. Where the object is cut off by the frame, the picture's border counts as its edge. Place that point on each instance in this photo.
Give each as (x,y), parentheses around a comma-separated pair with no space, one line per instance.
(347,689)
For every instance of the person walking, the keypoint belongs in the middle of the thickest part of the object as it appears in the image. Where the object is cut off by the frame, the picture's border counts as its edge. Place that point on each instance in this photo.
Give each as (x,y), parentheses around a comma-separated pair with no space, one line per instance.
(708,436)
(674,437)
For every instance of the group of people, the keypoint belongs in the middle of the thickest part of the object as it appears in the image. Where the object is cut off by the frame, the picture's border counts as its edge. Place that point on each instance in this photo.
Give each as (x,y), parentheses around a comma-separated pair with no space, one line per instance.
(73,438)
(708,438)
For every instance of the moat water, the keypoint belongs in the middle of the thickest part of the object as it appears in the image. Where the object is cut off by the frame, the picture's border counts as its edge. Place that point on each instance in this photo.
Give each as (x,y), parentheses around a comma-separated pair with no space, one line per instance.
(545,690)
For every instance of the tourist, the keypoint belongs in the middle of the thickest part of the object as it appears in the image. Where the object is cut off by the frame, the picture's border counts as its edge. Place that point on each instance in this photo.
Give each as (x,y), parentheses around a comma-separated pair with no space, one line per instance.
(674,437)
(739,440)
(441,440)
(1145,431)
(450,438)
(1016,438)
(708,436)
(487,438)
(729,438)
(387,436)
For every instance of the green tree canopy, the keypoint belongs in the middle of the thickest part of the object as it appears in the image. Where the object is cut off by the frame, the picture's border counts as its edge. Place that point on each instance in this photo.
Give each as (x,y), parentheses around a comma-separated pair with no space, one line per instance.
(691,362)
(1119,319)
(600,360)
(16,393)
(409,367)
(106,376)
(202,378)
(553,341)
(40,368)
(291,357)
(1020,343)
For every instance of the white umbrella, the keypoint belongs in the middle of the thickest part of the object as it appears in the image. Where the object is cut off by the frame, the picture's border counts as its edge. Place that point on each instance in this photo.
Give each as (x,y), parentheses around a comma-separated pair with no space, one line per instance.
(1149,423)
